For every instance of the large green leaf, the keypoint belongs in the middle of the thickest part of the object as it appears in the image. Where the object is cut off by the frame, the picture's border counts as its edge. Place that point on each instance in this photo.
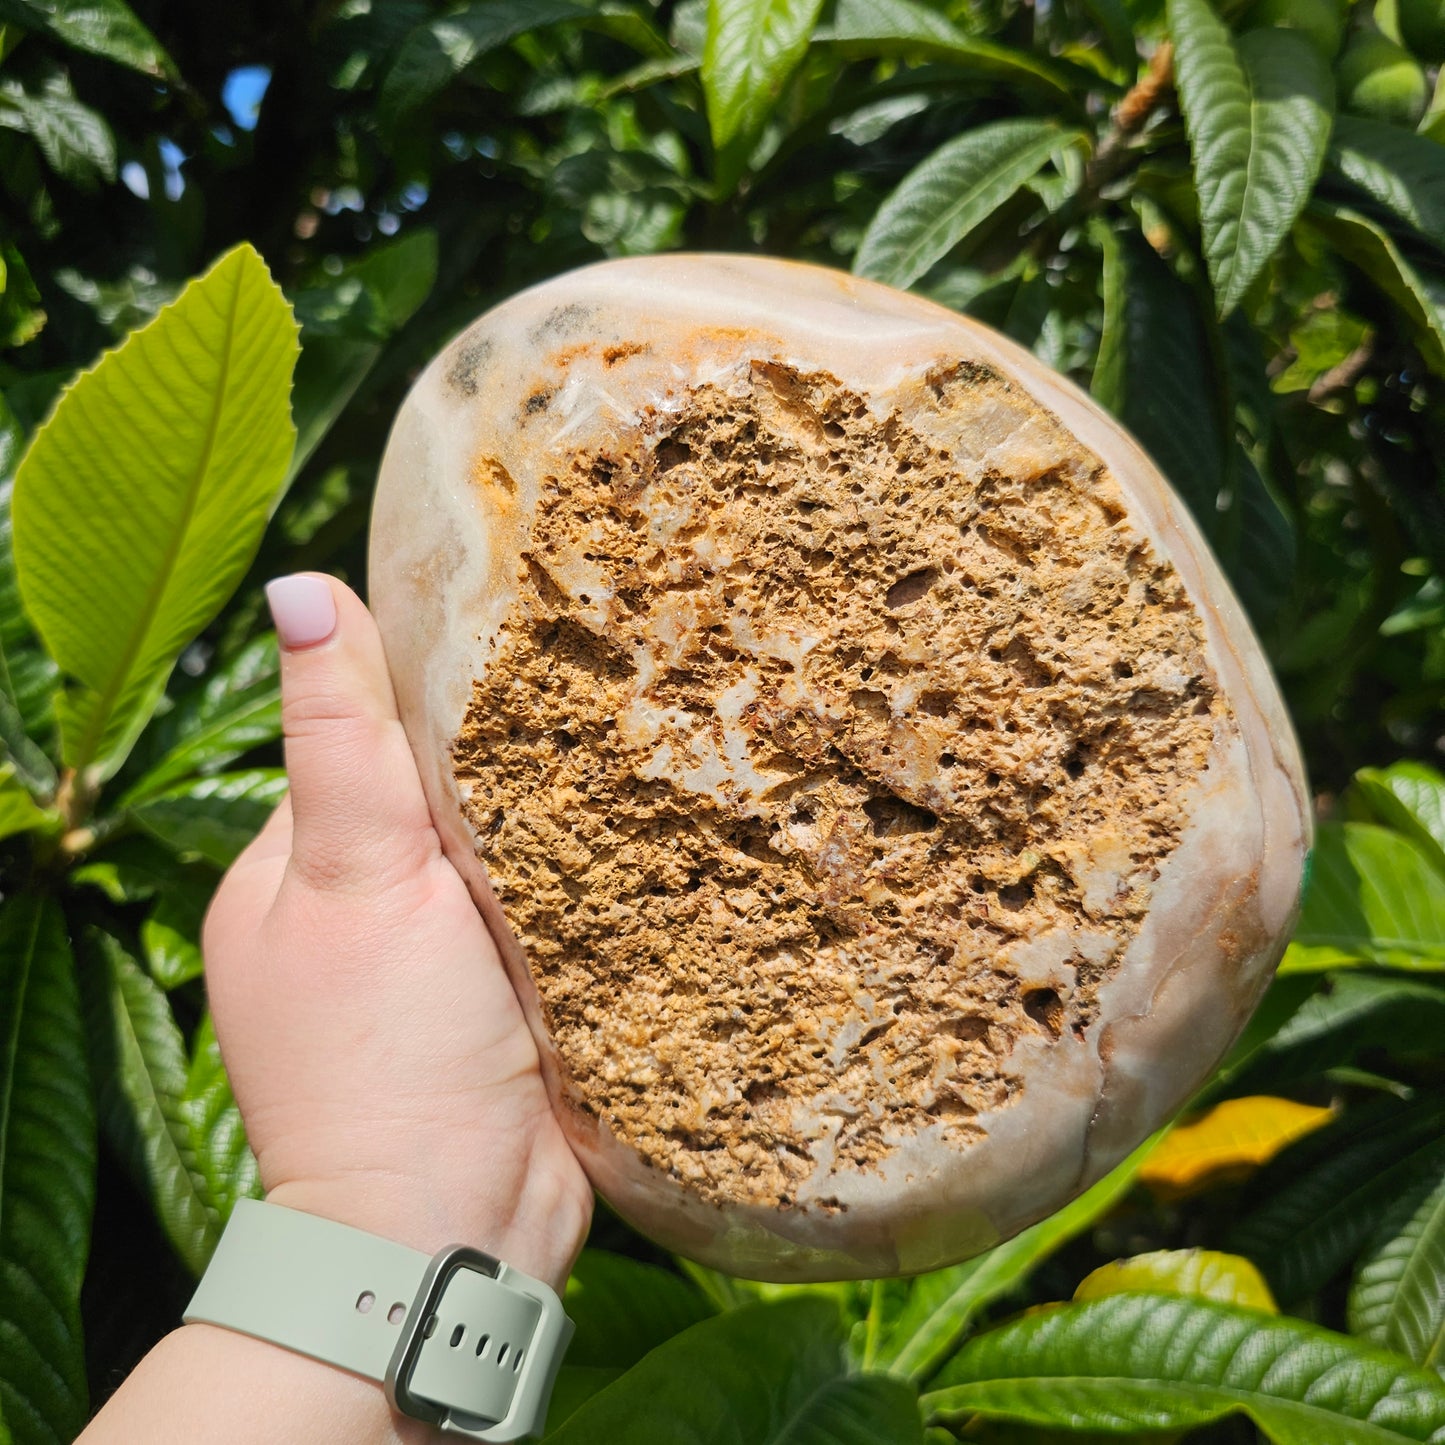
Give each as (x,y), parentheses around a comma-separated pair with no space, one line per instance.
(217,1137)
(1258,118)
(623,1308)
(1418,293)
(238,709)
(1373,897)
(1313,1223)
(770,1373)
(214,817)
(142,1068)
(910,31)
(752,47)
(940,201)
(1154,371)
(1397,1298)
(75,140)
(1348,1014)
(435,53)
(1400,170)
(142,500)
(1157,1362)
(102,27)
(940,1308)
(1409,797)
(47,1177)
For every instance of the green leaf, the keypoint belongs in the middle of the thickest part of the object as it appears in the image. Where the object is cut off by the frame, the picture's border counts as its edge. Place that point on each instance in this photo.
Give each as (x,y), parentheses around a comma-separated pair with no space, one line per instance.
(217,1137)
(1349,1014)
(940,201)
(1419,294)
(1397,1299)
(170,937)
(368,302)
(27,675)
(434,54)
(1258,118)
(1154,373)
(1410,798)
(142,500)
(1400,170)
(142,1069)
(47,1177)
(22,316)
(1197,1273)
(214,817)
(1373,897)
(106,28)
(18,813)
(766,1372)
(238,709)
(1155,1362)
(910,31)
(940,1307)
(1312,1225)
(752,48)
(623,1309)
(75,140)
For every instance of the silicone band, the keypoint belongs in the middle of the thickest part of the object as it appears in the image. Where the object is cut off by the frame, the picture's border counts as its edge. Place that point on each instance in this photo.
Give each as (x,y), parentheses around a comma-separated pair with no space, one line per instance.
(458,1339)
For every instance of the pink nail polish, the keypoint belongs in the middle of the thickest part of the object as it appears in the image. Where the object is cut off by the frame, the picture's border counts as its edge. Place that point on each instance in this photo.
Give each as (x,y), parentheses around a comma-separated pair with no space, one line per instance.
(303,609)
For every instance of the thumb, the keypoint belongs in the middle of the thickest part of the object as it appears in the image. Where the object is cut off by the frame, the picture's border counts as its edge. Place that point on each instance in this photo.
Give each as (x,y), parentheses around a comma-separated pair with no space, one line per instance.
(360,815)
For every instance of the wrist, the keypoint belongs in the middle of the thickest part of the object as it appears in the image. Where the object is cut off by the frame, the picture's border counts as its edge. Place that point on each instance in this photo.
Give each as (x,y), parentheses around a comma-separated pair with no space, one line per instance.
(540,1233)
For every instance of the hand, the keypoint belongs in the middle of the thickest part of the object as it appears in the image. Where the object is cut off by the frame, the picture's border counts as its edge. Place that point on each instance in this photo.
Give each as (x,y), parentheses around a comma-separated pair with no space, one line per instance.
(379,1057)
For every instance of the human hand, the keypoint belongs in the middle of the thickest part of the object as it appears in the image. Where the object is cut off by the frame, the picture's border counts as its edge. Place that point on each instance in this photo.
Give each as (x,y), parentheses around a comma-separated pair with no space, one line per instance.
(378,1054)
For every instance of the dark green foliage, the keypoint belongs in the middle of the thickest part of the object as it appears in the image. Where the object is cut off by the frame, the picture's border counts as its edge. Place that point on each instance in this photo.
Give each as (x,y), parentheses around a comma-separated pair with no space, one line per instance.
(1157,197)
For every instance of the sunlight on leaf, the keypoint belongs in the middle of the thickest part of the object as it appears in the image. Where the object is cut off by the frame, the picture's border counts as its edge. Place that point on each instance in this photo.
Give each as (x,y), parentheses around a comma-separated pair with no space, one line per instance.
(1155,1362)
(1227,1144)
(1258,114)
(1198,1273)
(1373,897)
(142,500)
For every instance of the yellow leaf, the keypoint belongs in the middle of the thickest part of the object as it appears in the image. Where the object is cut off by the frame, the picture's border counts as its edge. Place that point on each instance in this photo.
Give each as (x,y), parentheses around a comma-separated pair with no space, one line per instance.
(1227,1143)
(1204,1273)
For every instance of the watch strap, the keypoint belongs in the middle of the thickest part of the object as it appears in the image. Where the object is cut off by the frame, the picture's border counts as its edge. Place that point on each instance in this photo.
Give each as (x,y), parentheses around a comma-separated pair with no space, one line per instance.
(458,1338)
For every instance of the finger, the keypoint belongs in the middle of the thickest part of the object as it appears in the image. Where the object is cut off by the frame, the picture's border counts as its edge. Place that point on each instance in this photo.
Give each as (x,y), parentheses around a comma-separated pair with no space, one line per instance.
(359,816)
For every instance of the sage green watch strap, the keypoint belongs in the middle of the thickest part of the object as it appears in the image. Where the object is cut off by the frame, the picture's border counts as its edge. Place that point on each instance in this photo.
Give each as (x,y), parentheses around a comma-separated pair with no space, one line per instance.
(459,1339)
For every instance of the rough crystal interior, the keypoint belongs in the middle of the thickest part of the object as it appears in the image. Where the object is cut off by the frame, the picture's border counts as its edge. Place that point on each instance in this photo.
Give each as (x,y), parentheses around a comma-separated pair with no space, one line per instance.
(889,813)
(818,761)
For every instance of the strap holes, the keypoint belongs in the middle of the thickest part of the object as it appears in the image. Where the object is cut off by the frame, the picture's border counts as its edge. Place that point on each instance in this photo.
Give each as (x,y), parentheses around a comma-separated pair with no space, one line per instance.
(517,1360)
(396,1314)
(457,1335)
(364,1302)
(502,1354)
(482,1345)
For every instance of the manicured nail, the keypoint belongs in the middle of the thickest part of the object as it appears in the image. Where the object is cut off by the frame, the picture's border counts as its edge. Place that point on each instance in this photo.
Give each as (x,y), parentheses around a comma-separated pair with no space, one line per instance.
(303,609)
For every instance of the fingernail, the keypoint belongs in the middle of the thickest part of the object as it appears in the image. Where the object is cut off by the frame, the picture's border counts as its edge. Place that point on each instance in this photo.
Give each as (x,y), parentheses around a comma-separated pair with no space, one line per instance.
(302,608)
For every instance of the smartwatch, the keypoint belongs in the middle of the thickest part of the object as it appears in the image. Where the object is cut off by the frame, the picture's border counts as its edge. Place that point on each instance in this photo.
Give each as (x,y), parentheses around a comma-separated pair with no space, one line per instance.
(458,1339)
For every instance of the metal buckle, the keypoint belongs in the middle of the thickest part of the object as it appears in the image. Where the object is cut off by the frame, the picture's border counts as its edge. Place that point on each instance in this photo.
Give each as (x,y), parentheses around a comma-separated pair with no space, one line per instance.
(438,1275)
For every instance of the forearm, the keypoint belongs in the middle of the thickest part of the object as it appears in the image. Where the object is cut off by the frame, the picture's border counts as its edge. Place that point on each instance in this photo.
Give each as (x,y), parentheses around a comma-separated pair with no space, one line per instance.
(203,1384)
